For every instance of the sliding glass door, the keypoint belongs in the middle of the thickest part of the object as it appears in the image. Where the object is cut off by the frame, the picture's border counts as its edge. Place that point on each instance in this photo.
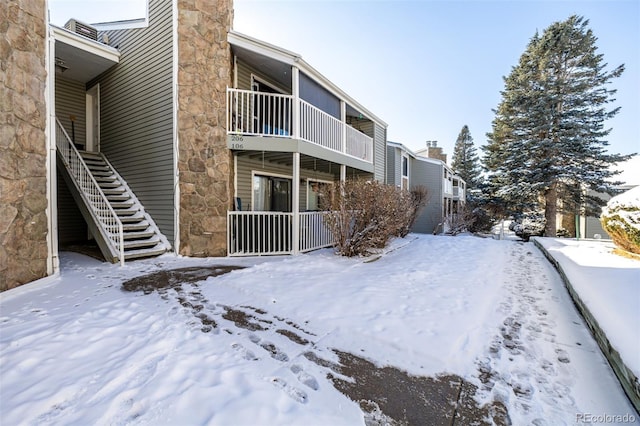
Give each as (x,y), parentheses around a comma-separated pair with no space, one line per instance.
(271,193)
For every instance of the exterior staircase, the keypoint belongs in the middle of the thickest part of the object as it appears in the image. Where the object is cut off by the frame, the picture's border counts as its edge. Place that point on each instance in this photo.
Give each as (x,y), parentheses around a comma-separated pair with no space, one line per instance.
(141,236)
(116,219)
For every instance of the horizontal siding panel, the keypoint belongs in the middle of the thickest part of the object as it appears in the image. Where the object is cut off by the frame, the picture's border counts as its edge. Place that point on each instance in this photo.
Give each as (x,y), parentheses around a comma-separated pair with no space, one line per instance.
(137,113)
(71,100)
(71,225)
(379,151)
(429,175)
(144,138)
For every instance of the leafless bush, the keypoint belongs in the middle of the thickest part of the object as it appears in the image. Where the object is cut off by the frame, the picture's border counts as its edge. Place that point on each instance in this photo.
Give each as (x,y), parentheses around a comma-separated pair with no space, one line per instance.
(458,223)
(412,203)
(365,214)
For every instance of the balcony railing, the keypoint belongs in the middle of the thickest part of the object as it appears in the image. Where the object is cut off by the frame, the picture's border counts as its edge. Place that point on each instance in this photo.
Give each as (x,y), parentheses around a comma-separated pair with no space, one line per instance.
(271,233)
(268,114)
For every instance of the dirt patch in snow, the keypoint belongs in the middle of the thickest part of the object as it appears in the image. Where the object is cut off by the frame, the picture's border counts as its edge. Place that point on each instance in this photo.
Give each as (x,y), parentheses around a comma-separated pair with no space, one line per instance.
(174,278)
(386,395)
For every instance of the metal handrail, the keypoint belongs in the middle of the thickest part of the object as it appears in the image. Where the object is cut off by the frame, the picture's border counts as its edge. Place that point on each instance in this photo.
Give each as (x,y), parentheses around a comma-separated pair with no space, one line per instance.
(90,189)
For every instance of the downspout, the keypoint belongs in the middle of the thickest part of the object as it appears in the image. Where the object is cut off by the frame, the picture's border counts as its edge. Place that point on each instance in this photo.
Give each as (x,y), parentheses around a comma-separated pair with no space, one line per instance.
(53,261)
(176,141)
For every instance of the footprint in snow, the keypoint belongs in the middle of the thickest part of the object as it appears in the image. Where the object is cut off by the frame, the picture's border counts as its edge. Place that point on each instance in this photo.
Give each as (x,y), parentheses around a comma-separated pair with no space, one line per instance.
(304,378)
(295,393)
(563,356)
(244,352)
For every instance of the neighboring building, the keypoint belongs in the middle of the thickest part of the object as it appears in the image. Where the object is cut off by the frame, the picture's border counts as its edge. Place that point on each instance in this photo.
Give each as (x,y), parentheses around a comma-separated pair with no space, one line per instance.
(445,190)
(590,226)
(432,151)
(150,135)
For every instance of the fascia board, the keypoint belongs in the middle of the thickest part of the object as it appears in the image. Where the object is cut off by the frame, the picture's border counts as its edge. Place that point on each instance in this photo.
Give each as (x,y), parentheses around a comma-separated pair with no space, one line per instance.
(65,36)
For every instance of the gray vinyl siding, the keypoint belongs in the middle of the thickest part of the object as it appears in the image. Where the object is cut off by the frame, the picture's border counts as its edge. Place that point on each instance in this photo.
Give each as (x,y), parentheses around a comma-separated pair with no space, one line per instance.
(136,105)
(394,166)
(244,72)
(429,175)
(247,165)
(71,100)
(71,225)
(592,227)
(379,152)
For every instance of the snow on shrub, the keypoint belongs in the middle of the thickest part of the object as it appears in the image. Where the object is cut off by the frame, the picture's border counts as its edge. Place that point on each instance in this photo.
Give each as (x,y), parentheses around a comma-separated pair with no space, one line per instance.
(621,219)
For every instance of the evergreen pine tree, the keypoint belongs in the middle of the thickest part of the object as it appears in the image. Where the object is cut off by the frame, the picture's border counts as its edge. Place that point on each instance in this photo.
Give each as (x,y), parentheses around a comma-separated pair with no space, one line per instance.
(547,141)
(466,163)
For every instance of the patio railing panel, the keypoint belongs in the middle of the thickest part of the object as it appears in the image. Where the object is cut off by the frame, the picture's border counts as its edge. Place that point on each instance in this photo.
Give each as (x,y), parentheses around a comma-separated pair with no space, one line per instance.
(270,233)
(314,233)
(359,145)
(259,233)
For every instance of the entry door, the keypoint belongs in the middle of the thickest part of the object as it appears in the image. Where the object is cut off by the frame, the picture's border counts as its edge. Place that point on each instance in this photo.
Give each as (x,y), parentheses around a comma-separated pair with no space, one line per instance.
(93,119)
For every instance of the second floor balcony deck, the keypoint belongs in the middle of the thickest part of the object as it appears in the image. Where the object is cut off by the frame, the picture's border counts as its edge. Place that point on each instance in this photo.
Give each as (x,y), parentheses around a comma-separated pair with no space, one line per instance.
(277,116)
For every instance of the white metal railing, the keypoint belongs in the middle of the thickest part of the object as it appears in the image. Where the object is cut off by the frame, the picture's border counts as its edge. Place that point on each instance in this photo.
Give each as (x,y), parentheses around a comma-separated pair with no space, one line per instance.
(270,114)
(259,113)
(359,145)
(100,206)
(314,233)
(252,233)
(259,233)
(318,127)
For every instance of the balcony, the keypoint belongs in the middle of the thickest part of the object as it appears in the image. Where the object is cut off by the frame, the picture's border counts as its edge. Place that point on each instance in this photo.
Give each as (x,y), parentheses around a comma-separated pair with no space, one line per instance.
(260,114)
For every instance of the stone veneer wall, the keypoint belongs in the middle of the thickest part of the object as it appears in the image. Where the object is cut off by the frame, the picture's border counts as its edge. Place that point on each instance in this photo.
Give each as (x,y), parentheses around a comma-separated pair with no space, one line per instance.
(23,112)
(205,163)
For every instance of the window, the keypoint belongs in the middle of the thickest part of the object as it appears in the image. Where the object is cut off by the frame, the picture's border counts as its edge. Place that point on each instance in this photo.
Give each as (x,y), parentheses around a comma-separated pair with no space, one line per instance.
(317,192)
(271,193)
(405,172)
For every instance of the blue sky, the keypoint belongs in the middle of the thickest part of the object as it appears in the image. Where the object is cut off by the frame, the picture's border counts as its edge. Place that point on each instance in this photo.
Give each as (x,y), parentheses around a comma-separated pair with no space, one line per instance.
(426,67)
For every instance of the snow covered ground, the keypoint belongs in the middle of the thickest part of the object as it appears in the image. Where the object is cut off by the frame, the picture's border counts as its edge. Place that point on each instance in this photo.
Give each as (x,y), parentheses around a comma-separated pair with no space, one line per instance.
(609,285)
(256,346)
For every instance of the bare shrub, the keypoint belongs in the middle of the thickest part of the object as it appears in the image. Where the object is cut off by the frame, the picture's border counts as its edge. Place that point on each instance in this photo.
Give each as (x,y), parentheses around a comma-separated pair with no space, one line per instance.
(412,201)
(365,215)
(458,223)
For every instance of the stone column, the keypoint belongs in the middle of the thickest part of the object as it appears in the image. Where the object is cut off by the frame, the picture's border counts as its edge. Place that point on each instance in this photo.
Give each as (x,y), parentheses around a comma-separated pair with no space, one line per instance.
(205,164)
(23,150)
